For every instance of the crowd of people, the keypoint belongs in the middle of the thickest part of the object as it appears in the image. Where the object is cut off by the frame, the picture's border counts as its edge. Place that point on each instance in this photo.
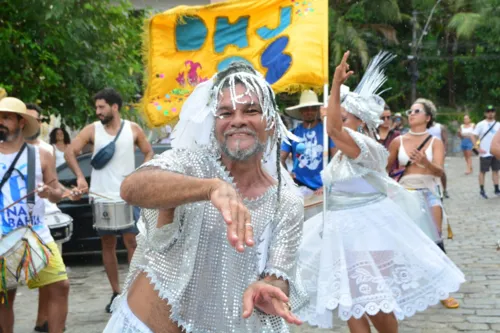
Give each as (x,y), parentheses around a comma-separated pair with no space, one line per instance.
(221,243)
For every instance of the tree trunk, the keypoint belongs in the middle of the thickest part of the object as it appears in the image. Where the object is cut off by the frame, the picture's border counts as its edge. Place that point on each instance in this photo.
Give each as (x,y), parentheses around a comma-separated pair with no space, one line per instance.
(450,52)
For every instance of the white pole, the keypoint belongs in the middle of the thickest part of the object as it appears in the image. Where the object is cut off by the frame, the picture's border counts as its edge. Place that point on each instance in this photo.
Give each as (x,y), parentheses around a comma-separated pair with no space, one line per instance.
(326,148)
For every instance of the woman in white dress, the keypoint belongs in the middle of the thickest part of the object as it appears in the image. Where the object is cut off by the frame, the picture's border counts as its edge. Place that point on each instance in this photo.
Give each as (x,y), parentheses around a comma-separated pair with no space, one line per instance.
(368,260)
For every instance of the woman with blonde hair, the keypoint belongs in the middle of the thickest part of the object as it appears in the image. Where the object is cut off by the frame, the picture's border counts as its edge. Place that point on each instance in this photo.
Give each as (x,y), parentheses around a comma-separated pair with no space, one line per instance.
(422,155)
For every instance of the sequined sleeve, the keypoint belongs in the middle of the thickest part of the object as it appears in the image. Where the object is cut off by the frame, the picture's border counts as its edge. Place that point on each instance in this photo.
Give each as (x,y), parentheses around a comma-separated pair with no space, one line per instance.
(285,240)
(171,160)
(181,161)
(372,158)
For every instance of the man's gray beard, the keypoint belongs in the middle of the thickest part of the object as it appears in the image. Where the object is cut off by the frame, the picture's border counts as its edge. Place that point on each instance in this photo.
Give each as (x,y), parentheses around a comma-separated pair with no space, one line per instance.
(242,154)
(34,137)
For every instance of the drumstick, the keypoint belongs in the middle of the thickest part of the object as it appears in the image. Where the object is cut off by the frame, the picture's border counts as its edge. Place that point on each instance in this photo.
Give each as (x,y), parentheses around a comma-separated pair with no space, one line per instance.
(96,194)
(21,199)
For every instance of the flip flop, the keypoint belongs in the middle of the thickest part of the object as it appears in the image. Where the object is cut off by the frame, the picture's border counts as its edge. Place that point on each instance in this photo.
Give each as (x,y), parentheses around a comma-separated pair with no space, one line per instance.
(450,303)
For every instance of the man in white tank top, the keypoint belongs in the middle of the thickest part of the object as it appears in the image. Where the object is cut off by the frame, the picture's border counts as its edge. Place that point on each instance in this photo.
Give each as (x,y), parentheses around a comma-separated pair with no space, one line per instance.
(439,131)
(16,125)
(106,182)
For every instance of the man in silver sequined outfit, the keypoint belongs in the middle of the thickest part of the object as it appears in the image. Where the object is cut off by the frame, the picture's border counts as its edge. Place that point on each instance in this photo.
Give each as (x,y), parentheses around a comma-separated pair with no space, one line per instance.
(218,251)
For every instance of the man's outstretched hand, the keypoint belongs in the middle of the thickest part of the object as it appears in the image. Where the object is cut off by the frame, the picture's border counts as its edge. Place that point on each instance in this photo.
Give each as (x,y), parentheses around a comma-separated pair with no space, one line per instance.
(268,299)
(239,227)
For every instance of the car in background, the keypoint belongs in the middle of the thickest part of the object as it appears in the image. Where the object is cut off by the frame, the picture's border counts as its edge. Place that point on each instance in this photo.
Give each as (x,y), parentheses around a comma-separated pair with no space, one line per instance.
(85,239)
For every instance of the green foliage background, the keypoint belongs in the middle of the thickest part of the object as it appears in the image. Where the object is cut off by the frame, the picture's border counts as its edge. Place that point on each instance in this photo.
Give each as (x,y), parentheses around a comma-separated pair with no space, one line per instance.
(60,52)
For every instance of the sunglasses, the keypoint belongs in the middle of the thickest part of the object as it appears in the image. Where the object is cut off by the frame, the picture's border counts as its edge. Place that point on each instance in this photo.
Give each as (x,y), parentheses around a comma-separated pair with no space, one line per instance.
(490,111)
(417,111)
(385,117)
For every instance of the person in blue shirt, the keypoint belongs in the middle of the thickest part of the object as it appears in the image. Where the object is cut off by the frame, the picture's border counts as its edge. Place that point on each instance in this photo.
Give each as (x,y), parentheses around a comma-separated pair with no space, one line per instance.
(307,154)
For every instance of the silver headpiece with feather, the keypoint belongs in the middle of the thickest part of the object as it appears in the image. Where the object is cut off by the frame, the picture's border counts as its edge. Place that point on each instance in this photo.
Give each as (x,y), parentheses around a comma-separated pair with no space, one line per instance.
(365,101)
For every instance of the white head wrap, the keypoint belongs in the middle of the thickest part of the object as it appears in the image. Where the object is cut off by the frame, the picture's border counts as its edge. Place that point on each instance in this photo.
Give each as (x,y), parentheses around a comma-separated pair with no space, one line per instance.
(365,102)
(198,113)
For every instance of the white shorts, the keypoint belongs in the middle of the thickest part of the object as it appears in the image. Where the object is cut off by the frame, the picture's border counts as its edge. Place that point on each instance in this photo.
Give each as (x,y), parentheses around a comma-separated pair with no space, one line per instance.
(124,320)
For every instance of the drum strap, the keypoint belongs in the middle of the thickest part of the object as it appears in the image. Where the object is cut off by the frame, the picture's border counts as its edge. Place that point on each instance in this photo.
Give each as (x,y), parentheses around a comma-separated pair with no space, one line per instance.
(7,174)
(31,175)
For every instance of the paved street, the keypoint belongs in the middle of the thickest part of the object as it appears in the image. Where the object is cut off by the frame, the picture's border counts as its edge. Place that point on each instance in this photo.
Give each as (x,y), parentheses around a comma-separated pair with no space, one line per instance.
(475,224)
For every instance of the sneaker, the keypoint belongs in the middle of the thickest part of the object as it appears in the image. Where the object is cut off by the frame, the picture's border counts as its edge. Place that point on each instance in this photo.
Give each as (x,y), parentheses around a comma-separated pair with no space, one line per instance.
(445,194)
(108,307)
(497,192)
(483,194)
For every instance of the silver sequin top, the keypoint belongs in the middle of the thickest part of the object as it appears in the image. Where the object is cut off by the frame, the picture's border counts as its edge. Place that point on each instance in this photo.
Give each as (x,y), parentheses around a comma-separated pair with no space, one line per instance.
(192,265)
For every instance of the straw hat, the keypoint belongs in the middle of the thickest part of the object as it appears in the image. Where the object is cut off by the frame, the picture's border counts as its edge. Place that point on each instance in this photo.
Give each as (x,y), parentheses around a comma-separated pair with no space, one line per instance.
(307,98)
(14,105)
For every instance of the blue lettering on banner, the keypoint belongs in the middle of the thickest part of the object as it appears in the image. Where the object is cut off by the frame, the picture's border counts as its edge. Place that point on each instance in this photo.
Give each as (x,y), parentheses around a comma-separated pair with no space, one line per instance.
(285,21)
(230,34)
(276,62)
(191,35)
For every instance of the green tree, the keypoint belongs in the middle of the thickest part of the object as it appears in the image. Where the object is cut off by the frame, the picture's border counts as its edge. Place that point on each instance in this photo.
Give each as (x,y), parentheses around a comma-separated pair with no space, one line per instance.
(358,25)
(60,52)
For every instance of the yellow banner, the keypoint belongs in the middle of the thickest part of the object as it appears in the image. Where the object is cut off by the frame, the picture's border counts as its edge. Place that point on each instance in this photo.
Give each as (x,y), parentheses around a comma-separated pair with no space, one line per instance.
(285,40)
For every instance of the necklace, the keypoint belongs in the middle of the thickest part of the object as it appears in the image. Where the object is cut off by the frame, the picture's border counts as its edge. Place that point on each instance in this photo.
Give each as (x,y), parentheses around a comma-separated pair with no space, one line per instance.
(417,133)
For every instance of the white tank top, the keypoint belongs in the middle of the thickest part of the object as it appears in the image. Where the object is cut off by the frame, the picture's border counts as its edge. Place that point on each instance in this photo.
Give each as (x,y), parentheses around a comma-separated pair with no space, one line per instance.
(50,207)
(59,156)
(108,180)
(467,131)
(435,131)
(14,189)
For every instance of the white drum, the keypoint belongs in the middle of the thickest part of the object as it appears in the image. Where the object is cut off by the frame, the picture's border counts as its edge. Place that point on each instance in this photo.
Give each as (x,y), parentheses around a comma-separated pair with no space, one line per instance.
(60,225)
(313,205)
(22,256)
(112,215)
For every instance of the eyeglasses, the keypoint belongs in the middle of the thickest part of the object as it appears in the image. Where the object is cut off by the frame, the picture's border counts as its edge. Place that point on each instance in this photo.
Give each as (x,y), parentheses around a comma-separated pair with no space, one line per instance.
(416,111)
(385,117)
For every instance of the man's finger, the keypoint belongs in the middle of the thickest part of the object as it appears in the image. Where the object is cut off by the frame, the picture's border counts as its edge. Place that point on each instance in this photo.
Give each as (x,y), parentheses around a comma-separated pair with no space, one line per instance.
(248,304)
(284,312)
(345,57)
(233,203)
(225,209)
(248,230)
(275,292)
(241,228)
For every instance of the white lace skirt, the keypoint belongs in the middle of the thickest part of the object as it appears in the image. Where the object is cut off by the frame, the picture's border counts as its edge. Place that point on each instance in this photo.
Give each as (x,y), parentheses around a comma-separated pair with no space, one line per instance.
(368,259)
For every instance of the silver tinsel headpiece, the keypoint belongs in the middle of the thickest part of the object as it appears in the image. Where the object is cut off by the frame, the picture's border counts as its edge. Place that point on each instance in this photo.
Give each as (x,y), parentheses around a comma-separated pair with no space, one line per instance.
(256,85)
(365,101)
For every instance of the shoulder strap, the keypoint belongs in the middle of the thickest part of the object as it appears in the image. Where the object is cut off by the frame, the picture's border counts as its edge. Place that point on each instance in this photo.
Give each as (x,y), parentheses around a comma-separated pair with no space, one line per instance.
(31,174)
(119,131)
(409,162)
(489,129)
(7,174)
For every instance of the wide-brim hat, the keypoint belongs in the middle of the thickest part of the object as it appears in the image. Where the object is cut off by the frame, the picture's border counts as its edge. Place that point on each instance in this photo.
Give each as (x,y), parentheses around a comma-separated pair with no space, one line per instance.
(307,98)
(14,105)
